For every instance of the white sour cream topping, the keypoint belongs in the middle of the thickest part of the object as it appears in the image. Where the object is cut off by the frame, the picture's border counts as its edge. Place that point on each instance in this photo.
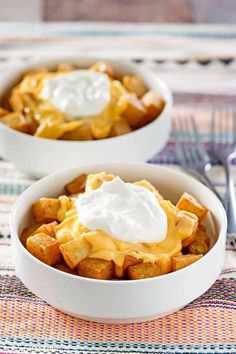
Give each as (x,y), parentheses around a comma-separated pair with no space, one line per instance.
(78,93)
(128,212)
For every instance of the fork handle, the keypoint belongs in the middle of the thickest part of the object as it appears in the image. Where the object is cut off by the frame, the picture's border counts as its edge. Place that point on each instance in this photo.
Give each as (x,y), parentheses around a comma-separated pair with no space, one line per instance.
(210,185)
(203,177)
(230,198)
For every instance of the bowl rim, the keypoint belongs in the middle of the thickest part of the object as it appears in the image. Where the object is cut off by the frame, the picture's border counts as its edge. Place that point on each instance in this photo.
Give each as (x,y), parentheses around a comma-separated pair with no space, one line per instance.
(143,70)
(15,234)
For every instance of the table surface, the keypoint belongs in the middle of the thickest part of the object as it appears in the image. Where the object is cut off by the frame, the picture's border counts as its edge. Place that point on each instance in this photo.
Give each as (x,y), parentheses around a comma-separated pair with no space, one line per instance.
(199,64)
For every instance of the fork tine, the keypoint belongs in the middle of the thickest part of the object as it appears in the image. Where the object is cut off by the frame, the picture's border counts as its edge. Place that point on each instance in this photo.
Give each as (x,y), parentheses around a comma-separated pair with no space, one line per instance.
(199,146)
(213,127)
(191,137)
(225,134)
(179,150)
(220,118)
(186,139)
(234,126)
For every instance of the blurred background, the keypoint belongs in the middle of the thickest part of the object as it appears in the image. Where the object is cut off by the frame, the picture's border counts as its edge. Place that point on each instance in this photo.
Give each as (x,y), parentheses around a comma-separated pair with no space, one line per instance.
(157,11)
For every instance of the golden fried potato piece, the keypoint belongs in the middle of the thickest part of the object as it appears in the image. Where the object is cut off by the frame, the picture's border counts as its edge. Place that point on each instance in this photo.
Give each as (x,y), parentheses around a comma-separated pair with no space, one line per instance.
(95,180)
(143,271)
(120,127)
(51,130)
(45,248)
(37,70)
(27,232)
(3,112)
(16,121)
(103,67)
(164,264)
(47,229)
(63,267)
(187,227)
(130,261)
(48,131)
(179,262)
(200,245)
(134,84)
(117,90)
(45,210)
(121,271)
(74,251)
(33,124)
(101,126)
(96,269)
(189,203)
(77,185)
(65,67)
(154,104)
(83,132)
(131,109)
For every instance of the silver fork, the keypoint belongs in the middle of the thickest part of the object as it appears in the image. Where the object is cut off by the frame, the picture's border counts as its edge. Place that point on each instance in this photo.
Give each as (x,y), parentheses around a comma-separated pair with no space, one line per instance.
(190,151)
(223,149)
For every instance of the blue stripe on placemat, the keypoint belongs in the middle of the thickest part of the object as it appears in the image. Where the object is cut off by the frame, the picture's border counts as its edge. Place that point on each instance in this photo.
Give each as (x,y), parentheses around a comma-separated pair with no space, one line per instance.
(134,33)
(41,345)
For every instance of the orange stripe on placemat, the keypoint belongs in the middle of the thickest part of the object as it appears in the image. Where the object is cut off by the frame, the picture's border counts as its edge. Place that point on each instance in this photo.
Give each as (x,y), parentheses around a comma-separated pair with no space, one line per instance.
(39,320)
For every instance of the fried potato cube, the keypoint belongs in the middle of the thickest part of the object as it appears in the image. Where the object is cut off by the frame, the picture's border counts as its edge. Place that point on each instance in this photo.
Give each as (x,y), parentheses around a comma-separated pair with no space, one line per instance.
(65,67)
(202,234)
(117,90)
(3,112)
(96,269)
(63,267)
(189,203)
(134,84)
(45,210)
(103,67)
(95,180)
(186,227)
(74,251)
(48,229)
(120,127)
(179,262)
(27,232)
(83,132)
(45,248)
(121,271)
(55,130)
(130,261)
(153,104)
(77,185)
(131,109)
(200,245)
(16,121)
(35,71)
(143,271)
(164,264)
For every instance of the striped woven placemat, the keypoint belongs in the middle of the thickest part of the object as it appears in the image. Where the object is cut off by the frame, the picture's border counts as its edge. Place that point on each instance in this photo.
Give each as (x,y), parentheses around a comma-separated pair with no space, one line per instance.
(199,65)
(29,325)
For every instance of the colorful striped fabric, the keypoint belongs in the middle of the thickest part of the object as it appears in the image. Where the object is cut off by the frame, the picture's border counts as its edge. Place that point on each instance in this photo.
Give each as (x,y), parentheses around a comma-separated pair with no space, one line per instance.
(208,324)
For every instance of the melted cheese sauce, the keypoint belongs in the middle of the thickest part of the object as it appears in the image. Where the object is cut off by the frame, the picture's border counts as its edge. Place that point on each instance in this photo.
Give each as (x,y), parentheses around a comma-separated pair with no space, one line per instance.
(181,224)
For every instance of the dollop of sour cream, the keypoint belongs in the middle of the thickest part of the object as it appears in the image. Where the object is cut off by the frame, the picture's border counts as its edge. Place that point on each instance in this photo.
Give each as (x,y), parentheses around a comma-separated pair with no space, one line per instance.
(125,211)
(78,93)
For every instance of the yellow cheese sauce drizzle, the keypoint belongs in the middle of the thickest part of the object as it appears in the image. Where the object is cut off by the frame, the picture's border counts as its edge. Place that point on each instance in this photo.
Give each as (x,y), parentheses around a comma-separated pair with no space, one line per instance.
(181,225)
(54,123)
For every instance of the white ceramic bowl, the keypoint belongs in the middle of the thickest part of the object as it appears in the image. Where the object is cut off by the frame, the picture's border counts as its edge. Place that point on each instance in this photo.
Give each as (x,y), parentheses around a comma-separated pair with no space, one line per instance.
(120,301)
(39,157)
